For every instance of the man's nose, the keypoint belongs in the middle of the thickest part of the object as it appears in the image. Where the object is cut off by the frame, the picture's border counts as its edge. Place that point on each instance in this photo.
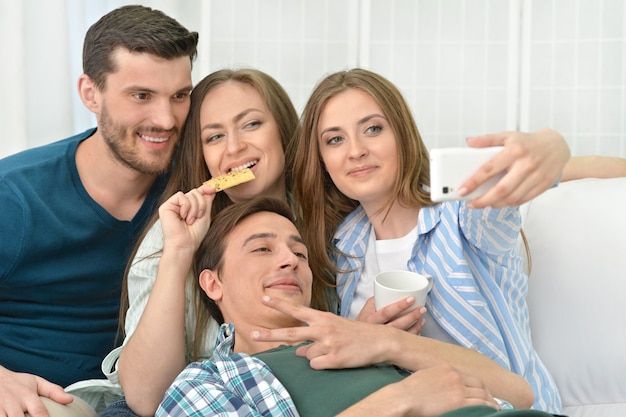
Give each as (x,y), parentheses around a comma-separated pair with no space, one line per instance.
(163,115)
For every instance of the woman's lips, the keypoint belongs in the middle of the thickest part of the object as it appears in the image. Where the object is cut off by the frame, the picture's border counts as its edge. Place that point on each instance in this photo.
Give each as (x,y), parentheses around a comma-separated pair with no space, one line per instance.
(362,171)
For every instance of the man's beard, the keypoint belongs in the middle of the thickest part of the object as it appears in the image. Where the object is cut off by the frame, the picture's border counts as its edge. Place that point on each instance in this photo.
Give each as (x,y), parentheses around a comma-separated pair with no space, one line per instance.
(115,137)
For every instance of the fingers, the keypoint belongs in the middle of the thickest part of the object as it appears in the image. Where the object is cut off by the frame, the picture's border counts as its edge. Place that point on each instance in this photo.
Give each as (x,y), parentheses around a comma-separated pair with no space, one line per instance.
(492,139)
(410,321)
(445,382)
(53,391)
(532,161)
(34,405)
(289,334)
(417,327)
(395,314)
(194,204)
(297,311)
(16,406)
(286,334)
(191,205)
(501,162)
(476,392)
(512,190)
(369,314)
(34,408)
(479,395)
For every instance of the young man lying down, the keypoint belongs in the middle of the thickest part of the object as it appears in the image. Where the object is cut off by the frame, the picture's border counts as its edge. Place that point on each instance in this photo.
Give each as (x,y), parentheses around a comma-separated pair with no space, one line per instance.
(277,357)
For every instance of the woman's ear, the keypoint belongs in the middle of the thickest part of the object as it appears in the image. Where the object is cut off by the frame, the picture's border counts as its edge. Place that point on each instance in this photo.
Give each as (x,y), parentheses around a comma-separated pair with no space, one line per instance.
(211,284)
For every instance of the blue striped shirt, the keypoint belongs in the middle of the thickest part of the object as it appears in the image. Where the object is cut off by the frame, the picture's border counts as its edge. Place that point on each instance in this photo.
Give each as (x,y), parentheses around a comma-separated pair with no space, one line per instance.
(229,385)
(480,287)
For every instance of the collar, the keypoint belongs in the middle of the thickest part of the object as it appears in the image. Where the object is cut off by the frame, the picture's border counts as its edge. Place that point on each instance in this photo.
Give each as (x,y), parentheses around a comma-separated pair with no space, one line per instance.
(225,343)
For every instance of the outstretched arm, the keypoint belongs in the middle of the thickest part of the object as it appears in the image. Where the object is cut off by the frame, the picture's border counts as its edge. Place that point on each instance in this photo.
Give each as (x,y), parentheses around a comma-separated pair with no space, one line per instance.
(533,163)
(594,166)
(427,393)
(338,342)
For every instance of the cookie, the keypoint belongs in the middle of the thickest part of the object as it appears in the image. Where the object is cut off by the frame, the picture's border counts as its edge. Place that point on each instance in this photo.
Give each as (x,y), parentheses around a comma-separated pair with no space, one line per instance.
(231,179)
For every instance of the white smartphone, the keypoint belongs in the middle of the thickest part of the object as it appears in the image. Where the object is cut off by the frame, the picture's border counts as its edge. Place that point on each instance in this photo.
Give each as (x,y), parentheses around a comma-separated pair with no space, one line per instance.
(450,167)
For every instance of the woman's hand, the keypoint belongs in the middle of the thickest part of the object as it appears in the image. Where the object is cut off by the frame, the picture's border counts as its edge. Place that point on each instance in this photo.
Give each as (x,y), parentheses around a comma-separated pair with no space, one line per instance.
(395,315)
(185,218)
(533,163)
(336,342)
(441,389)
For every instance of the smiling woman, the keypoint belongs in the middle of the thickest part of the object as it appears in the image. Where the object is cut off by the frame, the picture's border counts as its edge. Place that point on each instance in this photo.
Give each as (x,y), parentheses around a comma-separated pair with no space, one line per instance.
(240,130)
(351,126)
(361,171)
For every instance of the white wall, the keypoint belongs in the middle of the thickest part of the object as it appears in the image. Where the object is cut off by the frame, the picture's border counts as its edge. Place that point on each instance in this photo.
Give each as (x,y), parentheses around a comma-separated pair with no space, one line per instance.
(465,66)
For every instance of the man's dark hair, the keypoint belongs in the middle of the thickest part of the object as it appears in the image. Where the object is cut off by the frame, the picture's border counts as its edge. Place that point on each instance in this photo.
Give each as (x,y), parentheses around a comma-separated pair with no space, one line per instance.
(210,254)
(137,29)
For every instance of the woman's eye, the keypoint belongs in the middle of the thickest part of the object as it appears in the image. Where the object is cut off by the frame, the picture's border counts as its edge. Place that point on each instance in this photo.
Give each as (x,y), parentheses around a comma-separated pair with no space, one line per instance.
(334,140)
(141,96)
(253,124)
(374,129)
(213,138)
(301,255)
(261,249)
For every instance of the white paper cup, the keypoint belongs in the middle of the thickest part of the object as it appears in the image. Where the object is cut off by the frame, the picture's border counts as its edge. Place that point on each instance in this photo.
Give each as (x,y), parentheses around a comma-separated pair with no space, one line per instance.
(392,286)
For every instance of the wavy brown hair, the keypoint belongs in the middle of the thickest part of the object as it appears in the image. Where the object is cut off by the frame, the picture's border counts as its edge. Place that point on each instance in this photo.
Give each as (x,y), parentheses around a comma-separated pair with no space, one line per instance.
(320,206)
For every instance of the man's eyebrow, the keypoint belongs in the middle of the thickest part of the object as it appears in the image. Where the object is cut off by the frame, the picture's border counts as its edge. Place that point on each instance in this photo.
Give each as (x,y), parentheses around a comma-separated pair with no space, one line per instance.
(257,236)
(297,239)
(135,88)
(268,235)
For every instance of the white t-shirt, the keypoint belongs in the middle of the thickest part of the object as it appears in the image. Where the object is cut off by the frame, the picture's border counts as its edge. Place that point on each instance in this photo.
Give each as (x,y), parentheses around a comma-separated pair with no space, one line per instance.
(386,255)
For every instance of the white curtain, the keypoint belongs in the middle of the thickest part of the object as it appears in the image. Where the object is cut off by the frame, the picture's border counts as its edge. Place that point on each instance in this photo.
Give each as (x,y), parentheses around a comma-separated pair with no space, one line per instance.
(465,66)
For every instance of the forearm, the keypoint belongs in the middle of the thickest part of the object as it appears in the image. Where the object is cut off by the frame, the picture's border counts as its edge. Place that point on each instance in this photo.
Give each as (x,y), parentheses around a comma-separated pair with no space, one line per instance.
(417,352)
(155,353)
(426,393)
(594,166)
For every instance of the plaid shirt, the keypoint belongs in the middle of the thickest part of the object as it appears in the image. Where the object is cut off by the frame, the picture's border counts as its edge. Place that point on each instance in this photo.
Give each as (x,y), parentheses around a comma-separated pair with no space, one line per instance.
(228,385)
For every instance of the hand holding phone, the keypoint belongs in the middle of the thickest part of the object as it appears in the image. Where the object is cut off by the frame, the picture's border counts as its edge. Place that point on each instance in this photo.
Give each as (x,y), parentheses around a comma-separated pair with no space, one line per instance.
(451,167)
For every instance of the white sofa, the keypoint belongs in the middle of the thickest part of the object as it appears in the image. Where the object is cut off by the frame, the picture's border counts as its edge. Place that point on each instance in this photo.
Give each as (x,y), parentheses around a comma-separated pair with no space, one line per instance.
(577,292)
